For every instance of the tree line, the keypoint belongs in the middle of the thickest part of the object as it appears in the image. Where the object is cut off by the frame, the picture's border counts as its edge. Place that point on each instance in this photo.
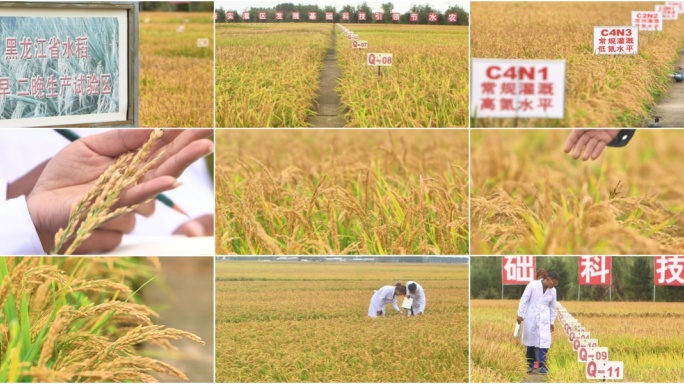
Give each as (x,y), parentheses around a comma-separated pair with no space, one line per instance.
(423,12)
(632,280)
(187,6)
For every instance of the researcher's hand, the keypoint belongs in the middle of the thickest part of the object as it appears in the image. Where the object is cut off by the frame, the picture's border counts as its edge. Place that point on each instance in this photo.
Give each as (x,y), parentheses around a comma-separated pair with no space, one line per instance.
(520,319)
(74,171)
(200,226)
(589,143)
(551,327)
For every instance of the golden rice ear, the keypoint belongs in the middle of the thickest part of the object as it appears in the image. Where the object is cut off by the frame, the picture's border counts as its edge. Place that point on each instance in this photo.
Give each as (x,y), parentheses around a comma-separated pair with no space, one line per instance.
(87,333)
(96,207)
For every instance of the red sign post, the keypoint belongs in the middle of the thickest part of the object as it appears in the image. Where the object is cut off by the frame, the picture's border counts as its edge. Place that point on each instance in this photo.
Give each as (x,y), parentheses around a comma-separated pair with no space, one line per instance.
(245,15)
(362,16)
(378,16)
(518,270)
(396,16)
(295,15)
(312,16)
(279,16)
(230,16)
(262,16)
(452,17)
(669,271)
(595,270)
(329,16)
(432,17)
(413,17)
(345,16)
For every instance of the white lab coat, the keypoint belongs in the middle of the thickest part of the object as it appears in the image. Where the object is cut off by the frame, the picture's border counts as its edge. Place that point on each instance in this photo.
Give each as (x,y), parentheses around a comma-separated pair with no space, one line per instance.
(382,297)
(538,309)
(18,235)
(419,299)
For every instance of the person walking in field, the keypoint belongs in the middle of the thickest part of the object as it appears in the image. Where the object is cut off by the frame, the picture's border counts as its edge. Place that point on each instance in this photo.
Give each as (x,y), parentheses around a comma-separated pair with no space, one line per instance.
(383,296)
(416,292)
(537,312)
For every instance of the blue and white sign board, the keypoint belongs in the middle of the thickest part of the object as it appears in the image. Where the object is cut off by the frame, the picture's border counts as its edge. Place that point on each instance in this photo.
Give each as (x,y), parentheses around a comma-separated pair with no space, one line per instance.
(63,66)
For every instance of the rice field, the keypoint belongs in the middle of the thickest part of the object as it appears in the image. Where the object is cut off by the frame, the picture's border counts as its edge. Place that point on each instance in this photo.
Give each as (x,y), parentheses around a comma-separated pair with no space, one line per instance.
(341,192)
(426,86)
(601,90)
(176,84)
(529,197)
(267,75)
(638,333)
(307,322)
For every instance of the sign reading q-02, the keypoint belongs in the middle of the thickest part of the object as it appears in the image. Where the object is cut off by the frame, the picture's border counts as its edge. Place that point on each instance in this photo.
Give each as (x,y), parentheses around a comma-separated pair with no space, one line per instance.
(65,64)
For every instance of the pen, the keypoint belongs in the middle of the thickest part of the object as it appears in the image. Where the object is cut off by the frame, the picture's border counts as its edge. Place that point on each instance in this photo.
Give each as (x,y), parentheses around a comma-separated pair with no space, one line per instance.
(162,198)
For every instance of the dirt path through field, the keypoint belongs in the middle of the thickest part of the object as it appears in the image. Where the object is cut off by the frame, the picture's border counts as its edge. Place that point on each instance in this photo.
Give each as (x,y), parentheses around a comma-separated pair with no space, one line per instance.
(670,107)
(534,378)
(328,102)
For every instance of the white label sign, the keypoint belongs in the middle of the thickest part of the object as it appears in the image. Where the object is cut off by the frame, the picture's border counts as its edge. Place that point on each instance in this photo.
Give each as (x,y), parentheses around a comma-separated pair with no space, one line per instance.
(517,88)
(359,44)
(678,4)
(585,354)
(647,21)
(669,11)
(578,341)
(616,40)
(202,43)
(611,370)
(379,59)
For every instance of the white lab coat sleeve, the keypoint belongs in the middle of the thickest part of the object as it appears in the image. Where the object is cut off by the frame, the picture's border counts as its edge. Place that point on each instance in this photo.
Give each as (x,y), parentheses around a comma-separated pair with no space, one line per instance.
(3,190)
(423,301)
(18,235)
(525,301)
(552,308)
(394,304)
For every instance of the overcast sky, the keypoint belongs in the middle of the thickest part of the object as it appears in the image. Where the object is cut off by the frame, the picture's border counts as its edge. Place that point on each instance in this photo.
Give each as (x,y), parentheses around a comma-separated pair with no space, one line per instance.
(401,6)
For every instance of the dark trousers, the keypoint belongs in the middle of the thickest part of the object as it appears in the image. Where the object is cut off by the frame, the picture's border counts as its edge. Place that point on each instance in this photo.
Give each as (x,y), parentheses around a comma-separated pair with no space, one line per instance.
(536,354)
(542,357)
(531,356)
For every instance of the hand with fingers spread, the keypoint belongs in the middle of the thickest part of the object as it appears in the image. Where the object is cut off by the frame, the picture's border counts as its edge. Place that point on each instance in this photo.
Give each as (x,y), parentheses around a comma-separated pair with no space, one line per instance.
(589,143)
(70,174)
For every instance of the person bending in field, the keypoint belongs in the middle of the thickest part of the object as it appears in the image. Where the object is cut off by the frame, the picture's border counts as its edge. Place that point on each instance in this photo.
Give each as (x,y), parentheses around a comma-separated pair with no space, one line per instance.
(415,292)
(383,296)
(590,143)
(537,312)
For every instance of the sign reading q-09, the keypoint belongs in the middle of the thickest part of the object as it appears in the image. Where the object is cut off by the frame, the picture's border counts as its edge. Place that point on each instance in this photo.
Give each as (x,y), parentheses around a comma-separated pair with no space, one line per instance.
(63,66)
